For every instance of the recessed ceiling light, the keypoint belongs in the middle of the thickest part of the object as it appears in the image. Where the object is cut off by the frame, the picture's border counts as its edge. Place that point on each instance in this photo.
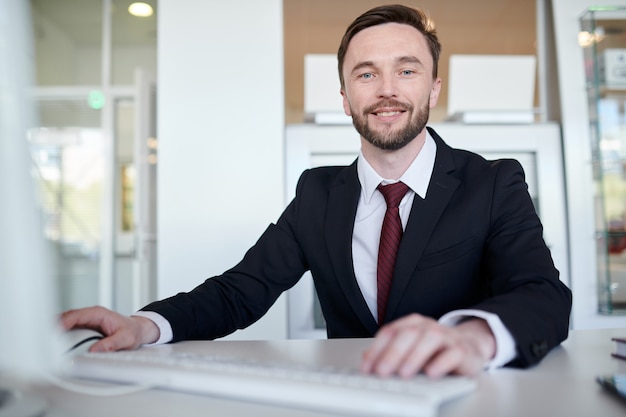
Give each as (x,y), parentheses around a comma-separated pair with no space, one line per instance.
(140,9)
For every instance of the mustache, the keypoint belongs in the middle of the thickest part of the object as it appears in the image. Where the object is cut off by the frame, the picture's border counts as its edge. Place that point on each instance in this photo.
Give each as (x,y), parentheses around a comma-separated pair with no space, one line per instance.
(388,103)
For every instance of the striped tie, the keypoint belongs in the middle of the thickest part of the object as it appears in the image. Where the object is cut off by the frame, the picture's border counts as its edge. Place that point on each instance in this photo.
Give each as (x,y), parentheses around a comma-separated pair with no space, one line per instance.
(390,236)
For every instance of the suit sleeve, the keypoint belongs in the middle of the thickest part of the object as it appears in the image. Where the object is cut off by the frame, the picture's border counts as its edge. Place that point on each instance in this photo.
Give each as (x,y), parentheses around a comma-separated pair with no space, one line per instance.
(528,296)
(244,293)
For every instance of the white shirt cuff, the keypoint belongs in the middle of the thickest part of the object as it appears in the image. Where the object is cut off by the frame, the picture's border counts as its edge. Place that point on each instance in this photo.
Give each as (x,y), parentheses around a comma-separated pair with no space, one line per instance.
(505,344)
(165,329)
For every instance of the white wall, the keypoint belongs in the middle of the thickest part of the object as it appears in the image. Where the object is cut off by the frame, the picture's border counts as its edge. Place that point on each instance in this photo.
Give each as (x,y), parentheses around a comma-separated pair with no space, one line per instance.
(577,151)
(220,131)
(67,62)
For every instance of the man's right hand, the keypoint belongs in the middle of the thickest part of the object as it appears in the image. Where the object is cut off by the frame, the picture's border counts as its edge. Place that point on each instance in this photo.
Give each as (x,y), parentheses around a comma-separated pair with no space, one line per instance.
(121,332)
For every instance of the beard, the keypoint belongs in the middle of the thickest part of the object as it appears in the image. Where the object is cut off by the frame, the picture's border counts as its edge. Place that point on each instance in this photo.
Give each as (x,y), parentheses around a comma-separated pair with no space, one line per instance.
(391,139)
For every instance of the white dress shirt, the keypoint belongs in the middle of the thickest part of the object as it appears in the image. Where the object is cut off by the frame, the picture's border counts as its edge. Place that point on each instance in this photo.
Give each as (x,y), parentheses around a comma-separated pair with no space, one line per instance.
(366,235)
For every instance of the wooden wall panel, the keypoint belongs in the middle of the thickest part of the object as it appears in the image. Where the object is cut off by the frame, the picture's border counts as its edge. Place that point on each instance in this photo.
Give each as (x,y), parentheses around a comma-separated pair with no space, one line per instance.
(464,27)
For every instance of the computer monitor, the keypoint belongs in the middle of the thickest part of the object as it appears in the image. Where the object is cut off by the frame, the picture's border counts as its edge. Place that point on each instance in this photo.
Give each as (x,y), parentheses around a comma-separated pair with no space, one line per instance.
(29,333)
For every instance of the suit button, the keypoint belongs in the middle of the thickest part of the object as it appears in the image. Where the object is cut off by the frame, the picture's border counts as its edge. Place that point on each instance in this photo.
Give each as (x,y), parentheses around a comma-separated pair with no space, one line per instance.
(540,348)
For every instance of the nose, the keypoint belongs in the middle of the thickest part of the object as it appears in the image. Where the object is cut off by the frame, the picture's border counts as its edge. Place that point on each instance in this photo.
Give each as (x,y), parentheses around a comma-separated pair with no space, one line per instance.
(387,86)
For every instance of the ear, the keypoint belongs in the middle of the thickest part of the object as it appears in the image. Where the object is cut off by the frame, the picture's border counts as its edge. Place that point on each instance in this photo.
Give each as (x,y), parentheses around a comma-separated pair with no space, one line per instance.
(346,103)
(434,92)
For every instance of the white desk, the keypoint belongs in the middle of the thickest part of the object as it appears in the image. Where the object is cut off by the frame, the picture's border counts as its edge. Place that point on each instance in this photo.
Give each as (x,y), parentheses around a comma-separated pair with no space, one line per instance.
(562,385)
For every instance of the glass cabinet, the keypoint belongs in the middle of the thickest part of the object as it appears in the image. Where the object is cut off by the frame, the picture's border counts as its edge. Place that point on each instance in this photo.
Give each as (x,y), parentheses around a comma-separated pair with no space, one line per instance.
(603,40)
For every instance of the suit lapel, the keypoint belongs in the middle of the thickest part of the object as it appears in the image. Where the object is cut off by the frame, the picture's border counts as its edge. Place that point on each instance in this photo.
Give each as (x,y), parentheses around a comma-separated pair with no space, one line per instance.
(422,221)
(340,215)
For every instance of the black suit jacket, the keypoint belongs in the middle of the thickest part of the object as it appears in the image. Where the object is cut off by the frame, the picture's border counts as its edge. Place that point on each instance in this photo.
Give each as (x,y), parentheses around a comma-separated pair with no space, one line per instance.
(475,241)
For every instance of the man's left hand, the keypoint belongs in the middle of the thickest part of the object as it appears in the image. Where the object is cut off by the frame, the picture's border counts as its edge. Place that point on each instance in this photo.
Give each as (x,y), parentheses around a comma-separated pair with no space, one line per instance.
(415,343)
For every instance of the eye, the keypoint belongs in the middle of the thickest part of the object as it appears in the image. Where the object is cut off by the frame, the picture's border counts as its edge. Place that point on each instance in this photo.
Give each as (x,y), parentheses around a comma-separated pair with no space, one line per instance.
(407,72)
(367,76)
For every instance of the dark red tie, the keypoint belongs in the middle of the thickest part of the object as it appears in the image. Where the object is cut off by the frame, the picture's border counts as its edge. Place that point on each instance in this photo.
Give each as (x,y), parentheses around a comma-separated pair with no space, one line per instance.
(390,236)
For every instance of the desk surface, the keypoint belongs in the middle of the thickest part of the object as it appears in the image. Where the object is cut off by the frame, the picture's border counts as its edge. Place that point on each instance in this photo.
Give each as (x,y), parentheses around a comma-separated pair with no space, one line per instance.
(562,384)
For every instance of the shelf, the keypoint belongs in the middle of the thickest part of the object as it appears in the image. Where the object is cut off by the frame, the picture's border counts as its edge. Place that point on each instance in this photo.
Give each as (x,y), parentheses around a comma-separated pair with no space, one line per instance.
(612,89)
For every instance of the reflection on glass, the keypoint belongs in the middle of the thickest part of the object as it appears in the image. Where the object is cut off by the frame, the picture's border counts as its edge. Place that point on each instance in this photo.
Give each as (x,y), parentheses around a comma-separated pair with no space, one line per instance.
(603,39)
(90,58)
(69,168)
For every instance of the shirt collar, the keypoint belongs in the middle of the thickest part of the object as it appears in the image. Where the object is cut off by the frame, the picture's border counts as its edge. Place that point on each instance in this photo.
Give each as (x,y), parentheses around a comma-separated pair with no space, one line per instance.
(417,176)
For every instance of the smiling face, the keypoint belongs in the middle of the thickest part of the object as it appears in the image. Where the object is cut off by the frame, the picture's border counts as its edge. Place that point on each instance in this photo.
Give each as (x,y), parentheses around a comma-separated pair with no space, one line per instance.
(389,87)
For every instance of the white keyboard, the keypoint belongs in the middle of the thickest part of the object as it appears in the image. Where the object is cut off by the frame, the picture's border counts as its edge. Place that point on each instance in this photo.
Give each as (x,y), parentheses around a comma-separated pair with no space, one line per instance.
(324,389)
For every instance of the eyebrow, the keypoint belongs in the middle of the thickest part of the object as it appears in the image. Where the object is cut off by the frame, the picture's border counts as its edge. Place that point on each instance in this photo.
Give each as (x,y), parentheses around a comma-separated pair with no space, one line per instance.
(364,64)
(406,59)
(409,59)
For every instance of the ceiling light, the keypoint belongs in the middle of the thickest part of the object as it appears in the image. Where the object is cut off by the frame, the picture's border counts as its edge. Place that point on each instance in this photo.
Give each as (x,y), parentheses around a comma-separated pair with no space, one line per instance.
(140,9)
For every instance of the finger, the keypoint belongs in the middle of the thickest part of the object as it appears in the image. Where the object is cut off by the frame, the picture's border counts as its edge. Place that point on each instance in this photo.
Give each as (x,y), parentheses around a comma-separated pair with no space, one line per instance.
(454,360)
(385,337)
(393,357)
(90,317)
(430,343)
(103,345)
(117,341)
(68,319)
(375,350)
(446,361)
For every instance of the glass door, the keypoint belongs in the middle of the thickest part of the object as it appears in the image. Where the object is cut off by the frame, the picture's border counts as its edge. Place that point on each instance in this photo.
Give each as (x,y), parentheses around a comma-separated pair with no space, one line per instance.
(603,40)
(69,168)
(90,104)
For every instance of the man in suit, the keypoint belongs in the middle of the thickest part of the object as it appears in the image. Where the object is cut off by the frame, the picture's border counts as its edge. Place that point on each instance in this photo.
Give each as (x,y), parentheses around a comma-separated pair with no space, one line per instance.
(473,285)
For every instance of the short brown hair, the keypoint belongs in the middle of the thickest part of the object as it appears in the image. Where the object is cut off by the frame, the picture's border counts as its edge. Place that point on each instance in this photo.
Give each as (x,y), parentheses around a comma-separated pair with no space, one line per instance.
(393,13)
